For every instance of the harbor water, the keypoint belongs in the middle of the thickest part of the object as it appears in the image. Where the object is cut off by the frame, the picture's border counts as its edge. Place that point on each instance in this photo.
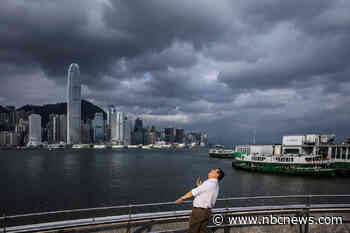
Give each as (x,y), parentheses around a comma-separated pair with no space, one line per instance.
(42,180)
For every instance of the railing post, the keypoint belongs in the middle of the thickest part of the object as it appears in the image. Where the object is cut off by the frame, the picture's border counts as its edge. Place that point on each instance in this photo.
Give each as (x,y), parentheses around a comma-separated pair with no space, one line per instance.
(308,201)
(307,213)
(5,223)
(129,221)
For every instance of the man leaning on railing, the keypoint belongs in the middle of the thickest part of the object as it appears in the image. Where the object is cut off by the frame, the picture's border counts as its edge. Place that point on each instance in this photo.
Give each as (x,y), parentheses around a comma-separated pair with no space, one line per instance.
(205,195)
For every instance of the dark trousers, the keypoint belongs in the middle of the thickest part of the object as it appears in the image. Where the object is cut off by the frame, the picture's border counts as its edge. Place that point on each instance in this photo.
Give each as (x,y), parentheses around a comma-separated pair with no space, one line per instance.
(199,220)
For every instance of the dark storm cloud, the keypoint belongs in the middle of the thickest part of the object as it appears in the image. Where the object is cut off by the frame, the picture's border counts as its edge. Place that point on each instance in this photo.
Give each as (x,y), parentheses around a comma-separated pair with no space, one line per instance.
(316,35)
(55,34)
(178,55)
(52,35)
(274,11)
(227,67)
(294,65)
(156,24)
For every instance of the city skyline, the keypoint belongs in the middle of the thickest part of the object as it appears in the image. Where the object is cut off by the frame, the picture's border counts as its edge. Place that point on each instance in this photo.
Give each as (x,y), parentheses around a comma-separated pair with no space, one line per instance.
(230,68)
(35,126)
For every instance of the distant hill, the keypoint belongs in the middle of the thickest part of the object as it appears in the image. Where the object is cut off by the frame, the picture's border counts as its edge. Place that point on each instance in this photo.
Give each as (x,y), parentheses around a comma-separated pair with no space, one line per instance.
(88,110)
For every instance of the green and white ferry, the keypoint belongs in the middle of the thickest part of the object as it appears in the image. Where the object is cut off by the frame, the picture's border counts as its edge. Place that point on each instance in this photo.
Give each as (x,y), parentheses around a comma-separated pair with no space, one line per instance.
(287,164)
(304,154)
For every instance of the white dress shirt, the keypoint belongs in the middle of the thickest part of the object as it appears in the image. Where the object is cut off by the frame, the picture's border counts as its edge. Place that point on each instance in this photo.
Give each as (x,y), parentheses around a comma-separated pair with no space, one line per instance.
(206,194)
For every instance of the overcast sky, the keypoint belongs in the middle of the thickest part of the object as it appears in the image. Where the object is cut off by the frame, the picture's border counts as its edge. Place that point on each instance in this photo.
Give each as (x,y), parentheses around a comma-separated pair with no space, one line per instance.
(224,67)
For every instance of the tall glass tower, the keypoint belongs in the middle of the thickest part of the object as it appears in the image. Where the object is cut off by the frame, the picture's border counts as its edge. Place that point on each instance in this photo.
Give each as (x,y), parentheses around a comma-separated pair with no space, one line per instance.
(99,127)
(74,105)
(120,129)
(112,122)
(34,130)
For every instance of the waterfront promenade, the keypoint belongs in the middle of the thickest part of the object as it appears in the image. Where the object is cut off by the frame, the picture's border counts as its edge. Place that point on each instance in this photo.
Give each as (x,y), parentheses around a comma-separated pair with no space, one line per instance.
(171,217)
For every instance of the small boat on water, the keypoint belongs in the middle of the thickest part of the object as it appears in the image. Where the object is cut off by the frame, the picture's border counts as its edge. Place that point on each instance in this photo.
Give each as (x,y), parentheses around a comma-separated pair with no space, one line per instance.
(220,152)
(81,146)
(55,146)
(167,146)
(100,146)
(134,146)
(118,147)
(317,165)
(147,147)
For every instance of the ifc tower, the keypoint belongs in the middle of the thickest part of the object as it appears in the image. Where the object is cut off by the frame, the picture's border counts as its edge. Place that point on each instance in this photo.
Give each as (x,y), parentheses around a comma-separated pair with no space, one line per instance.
(74,105)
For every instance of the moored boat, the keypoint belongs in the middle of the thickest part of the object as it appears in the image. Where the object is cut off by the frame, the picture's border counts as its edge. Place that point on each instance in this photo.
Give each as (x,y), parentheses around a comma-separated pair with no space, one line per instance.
(81,146)
(134,146)
(147,147)
(287,164)
(119,146)
(220,152)
(100,146)
(55,146)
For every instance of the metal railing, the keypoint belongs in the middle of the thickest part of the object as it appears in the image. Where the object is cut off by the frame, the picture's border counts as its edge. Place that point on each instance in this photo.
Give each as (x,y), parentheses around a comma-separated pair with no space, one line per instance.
(136,212)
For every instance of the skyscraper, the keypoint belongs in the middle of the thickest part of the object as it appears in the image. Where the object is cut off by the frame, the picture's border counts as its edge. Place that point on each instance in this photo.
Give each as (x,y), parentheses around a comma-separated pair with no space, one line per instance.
(63,128)
(179,135)
(169,135)
(86,131)
(34,130)
(111,122)
(139,132)
(121,132)
(74,105)
(57,129)
(53,129)
(138,125)
(98,128)
(204,139)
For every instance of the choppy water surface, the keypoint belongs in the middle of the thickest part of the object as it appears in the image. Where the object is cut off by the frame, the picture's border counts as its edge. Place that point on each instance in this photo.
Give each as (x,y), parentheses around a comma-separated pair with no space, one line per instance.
(40,180)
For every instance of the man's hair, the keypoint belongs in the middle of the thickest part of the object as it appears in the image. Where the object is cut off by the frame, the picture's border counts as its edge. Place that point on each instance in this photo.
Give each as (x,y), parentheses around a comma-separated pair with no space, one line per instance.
(221,174)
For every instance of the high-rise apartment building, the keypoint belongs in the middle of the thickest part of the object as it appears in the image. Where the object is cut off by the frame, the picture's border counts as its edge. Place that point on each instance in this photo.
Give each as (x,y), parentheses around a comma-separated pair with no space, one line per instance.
(138,125)
(8,117)
(12,115)
(4,118)
(111,122)
(57,129)
(139,134)
(3,141)
(51,126)
(179,136)
(86,131)
(74,105)
(9,138)
(204,139)
(169,135)
(63,128)
(152,137)
(34,130)
(193,137)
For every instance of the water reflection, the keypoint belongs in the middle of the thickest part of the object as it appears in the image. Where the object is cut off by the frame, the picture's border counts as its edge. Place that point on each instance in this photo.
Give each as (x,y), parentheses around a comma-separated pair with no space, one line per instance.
(33,165)
(43,180)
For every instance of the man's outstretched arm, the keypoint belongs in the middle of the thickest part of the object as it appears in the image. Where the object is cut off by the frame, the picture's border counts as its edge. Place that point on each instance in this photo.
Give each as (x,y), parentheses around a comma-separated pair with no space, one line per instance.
(187,195)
